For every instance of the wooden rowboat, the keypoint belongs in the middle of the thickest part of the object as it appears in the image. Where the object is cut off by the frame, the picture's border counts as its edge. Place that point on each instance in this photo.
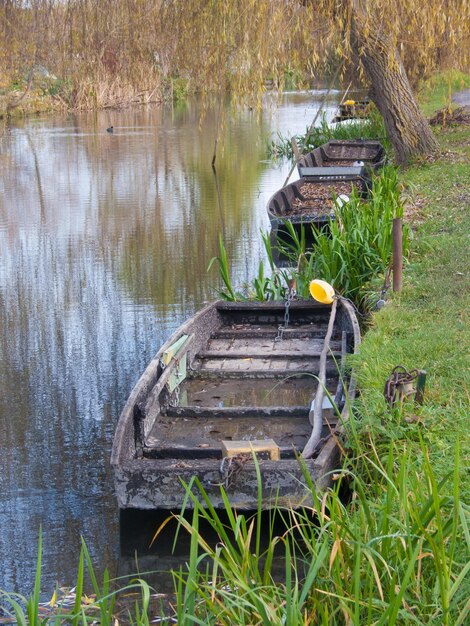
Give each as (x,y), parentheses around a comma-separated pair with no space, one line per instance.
(233,381)
(345,152)
(311,199)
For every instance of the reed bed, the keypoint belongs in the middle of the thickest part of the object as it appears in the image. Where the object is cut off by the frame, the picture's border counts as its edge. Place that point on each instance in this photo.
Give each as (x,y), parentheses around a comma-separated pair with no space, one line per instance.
(395,552)
(90,601)
(100,53)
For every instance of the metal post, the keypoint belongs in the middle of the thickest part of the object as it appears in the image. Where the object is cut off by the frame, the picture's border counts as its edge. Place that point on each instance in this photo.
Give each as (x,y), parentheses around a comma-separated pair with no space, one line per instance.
(397,254)
(420,385)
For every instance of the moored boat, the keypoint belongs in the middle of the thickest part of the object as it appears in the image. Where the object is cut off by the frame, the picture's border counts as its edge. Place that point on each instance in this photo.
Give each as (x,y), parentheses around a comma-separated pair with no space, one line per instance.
(344,153)
(237,379)
(312,200)
(353,110)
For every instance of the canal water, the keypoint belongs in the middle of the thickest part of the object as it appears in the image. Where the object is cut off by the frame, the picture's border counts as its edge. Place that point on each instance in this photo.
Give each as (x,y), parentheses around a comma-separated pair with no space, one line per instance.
(105,240)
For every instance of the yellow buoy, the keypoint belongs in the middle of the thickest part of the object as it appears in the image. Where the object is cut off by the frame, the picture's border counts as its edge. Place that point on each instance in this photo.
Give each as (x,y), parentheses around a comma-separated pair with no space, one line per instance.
(321,291)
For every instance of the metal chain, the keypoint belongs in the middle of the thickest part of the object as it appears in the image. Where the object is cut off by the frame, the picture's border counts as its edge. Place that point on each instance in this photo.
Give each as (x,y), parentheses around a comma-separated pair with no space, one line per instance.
(175,397)
(230,467)
(281,328)
(398,385)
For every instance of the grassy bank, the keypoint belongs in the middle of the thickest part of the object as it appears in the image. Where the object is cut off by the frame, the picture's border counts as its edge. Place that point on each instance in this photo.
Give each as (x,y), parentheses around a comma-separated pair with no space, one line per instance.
(427,325)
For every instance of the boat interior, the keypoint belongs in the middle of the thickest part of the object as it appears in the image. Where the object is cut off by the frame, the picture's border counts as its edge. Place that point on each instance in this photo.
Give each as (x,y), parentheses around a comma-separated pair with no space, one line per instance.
(251,378)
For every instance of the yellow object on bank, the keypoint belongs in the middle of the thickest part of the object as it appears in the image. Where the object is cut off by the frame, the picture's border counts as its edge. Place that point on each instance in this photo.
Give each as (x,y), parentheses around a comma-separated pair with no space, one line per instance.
(321,291)
(349,103)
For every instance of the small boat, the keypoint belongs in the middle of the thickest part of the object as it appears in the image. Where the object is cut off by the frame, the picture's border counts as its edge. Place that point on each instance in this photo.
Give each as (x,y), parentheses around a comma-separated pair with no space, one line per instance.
(237,379)
(312,200)
(353,109)
(345,152)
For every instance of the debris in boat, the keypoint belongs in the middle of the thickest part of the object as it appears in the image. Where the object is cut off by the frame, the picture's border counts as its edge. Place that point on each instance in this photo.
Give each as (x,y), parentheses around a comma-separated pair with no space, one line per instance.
(319,197)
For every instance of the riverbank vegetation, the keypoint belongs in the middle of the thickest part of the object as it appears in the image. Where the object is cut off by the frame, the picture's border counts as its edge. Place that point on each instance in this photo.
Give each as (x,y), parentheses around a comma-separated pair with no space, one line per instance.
(371,127)
(352,252)
(397,551)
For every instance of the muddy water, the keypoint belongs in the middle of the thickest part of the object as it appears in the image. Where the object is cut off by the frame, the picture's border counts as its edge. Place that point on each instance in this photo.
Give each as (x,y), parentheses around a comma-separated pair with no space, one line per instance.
(105,239)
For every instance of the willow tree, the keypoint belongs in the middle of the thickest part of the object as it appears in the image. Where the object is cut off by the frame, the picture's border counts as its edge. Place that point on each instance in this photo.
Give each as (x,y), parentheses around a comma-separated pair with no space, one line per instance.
(236,45)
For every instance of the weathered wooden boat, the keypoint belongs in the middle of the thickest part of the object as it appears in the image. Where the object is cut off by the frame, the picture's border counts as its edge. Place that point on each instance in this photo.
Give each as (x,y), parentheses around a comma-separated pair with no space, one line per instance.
(353,109)
(311,199)
(236,379)
(345,152)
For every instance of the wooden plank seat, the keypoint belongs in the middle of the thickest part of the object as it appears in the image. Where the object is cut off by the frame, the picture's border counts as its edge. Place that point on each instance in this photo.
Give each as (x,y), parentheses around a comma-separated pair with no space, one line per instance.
(271,330)
(236,412)
(266,348)
(183,438)
(261,367)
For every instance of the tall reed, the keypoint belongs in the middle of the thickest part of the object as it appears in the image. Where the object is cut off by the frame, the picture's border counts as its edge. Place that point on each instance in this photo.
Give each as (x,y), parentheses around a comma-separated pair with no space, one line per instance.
(395,553)
(77,606)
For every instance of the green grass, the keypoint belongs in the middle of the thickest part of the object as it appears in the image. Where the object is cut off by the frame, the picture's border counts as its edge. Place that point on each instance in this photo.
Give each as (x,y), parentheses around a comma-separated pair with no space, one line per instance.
(427,325)
(396,553)
(436,92)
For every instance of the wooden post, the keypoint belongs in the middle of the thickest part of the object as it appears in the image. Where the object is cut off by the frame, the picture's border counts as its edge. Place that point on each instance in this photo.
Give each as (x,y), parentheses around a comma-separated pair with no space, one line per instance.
(397,261)
(295,149)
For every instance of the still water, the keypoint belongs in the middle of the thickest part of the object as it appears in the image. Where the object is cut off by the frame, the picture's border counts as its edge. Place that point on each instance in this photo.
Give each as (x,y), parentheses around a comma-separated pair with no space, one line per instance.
(105,239)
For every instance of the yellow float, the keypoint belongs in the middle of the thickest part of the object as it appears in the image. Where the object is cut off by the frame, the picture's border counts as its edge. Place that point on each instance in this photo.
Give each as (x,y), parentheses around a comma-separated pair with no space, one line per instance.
(321,291)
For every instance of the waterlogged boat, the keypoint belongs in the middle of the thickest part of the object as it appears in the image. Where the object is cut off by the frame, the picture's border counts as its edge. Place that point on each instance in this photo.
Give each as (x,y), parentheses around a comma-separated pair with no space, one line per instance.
(344,153)
(237,380)
(312,200)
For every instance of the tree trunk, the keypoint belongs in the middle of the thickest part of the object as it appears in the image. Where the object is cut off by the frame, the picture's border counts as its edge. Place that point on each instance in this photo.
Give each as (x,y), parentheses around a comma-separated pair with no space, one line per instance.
(391,92)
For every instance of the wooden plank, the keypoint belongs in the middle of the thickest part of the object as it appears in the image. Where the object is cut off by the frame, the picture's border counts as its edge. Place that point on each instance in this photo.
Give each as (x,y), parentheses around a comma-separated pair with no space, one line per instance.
(256,368)
(255,412)
(206,453)
(309,306)
(265,347)
(261,447)
(173,350)
(157,483)
(270,330)
(235,412)
(257,365)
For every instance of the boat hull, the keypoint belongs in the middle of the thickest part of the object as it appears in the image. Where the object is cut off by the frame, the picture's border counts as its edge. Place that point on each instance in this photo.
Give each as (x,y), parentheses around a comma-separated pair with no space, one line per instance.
(345,152)
(171,439)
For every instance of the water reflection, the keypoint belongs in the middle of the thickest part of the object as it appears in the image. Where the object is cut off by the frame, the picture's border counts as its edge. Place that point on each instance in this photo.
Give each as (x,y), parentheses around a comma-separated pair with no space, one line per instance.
(105,241)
